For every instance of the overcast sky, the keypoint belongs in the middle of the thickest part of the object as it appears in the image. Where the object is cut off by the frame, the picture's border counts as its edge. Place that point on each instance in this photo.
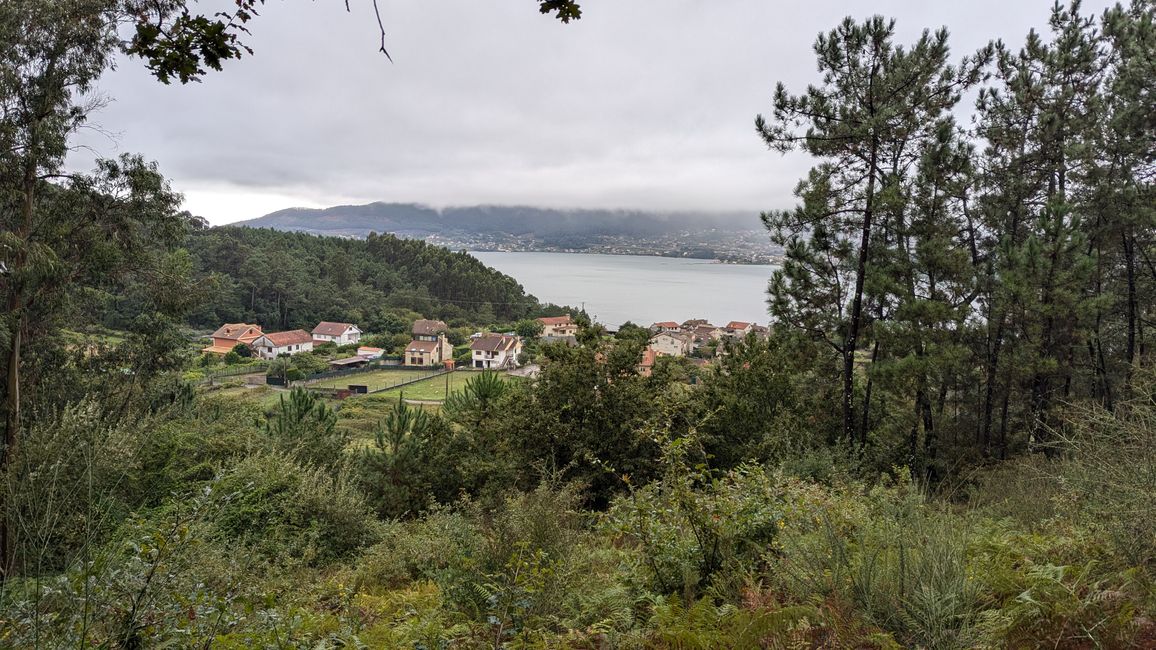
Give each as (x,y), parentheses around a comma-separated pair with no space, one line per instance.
(640,104)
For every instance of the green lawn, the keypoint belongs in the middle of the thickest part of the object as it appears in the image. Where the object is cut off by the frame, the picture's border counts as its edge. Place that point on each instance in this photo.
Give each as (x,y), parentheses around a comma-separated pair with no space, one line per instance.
(434,388)
(362,414)
(375,380)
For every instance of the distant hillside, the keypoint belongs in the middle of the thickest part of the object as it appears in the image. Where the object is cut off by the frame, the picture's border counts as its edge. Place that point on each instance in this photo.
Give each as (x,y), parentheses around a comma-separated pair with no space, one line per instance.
(547,225)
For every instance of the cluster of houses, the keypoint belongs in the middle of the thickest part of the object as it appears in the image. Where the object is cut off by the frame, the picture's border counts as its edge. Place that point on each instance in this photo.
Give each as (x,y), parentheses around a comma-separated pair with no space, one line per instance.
(270,345)
(429,347)
(671,339)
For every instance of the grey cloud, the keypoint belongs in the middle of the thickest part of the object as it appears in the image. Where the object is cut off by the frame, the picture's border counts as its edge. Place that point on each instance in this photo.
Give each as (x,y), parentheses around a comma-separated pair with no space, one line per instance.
(641,104)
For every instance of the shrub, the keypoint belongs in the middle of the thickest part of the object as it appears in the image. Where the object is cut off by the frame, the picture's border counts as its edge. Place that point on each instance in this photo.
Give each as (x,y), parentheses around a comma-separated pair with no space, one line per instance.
(288,512)
(1109,474)
(904,565)
(696,532)
(306,428)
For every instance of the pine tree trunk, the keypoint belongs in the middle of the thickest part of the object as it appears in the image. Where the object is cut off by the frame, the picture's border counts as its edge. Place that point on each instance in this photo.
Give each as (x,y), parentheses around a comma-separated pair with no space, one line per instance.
(856,322)
(1130,272)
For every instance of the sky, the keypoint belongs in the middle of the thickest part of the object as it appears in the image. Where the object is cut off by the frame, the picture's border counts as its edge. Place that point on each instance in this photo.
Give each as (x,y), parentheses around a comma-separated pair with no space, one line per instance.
(641,104)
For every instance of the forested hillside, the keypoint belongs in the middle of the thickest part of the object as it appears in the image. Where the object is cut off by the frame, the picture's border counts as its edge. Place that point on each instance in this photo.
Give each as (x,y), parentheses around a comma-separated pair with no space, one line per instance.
(288,280)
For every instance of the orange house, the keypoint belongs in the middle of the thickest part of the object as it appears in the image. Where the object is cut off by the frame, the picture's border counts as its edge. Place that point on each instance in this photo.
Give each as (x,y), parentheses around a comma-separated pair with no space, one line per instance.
(230,334)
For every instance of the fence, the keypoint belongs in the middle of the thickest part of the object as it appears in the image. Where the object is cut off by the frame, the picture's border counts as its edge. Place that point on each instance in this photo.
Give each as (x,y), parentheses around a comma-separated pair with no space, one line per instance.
(234,371)
(407,382)
(420,374)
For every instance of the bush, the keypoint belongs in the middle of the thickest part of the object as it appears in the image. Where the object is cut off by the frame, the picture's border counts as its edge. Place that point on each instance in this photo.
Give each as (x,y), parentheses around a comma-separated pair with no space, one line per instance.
(1109,474)
(286,512)
(697,533)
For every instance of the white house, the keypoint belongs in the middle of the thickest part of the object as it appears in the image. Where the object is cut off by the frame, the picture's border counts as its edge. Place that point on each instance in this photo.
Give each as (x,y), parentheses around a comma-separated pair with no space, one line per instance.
(495,351)
(556,326)
(673,344)
(339,333)
(274,344)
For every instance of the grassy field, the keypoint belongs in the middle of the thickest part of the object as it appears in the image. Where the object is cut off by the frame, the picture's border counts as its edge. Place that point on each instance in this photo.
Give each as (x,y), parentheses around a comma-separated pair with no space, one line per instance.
(266,396)
(375,380)
(362,414)
(434,388)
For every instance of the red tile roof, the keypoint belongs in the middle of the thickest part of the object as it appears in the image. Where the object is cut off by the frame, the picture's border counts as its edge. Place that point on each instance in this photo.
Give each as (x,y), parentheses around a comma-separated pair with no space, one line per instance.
(554,320)
(235,331)
(666,323)
(326,328)
(737,325)
(292,337)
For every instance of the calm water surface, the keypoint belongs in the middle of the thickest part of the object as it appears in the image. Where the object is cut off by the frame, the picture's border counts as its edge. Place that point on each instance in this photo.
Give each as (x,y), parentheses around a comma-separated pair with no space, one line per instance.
(618,288)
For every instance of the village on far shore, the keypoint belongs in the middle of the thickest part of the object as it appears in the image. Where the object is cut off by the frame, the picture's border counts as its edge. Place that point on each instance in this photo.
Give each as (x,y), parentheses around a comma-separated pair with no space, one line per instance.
(430,347)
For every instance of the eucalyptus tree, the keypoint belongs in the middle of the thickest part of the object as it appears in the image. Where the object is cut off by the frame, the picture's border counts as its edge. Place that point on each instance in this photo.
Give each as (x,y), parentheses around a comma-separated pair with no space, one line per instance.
(868,121)
(65,238)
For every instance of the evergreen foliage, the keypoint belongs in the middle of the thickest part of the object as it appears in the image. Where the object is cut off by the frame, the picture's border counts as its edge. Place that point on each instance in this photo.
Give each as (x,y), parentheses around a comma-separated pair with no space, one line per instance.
(286,280)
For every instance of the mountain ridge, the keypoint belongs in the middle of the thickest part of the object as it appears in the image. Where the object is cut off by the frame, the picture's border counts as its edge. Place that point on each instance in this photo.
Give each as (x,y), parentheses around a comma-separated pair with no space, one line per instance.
(419,221)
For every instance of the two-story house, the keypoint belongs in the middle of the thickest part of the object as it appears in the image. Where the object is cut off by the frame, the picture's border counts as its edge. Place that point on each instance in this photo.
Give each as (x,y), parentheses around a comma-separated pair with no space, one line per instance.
(274,344)
(429,346)
(664,326)
(674,344)
(495,351)
(339,333)
(230,334)
(555,326)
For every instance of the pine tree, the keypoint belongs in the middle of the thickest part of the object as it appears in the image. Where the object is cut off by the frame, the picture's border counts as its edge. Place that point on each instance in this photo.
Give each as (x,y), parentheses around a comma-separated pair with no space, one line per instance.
(867,123)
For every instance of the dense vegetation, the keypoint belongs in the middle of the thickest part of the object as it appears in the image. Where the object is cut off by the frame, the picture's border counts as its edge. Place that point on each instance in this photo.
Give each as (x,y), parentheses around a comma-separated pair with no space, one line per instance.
(947,442)
(987,273)
(291,280)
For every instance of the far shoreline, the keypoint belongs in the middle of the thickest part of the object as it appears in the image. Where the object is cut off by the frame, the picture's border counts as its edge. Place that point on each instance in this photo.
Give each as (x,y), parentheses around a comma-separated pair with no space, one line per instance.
(770,261)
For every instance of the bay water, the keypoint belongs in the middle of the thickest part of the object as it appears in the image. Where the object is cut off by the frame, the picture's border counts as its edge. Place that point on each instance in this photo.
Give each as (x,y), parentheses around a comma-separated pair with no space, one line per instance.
(641,289)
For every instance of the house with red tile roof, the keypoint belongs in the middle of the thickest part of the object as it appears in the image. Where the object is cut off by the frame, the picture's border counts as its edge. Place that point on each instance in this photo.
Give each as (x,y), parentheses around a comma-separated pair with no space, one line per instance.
(429,346)
(229,335)
(339,333)
(664,326)
(273,344)
(737,328)
(558,326)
